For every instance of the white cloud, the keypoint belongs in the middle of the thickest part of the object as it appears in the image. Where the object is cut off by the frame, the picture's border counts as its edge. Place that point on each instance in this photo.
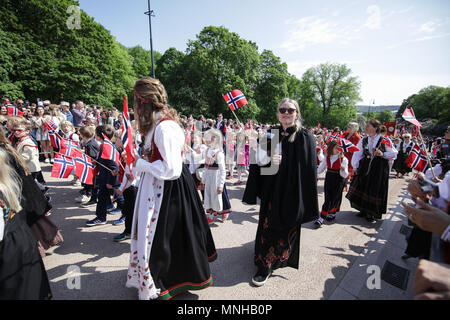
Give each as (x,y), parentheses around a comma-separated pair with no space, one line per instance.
(309,31)
(428,27)
(313,30)
(374,19)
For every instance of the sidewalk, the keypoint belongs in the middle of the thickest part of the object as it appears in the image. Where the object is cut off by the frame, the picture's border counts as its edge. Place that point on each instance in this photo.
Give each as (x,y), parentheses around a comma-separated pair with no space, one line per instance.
(388,245)
(333,259)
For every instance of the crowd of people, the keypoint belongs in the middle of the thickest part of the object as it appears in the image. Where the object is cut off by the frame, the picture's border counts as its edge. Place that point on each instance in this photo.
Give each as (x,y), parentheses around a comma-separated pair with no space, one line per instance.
(176,187)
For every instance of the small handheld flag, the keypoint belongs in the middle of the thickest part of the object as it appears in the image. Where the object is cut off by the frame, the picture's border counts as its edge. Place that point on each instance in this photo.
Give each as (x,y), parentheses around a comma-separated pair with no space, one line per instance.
(84,169)
(14,111)
(346,146)
(409,116)
(62,166)
(235,99)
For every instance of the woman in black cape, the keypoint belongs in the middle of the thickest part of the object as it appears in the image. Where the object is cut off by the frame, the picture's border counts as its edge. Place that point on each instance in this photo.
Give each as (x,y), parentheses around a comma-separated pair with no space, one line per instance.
(22,271)
(288,195)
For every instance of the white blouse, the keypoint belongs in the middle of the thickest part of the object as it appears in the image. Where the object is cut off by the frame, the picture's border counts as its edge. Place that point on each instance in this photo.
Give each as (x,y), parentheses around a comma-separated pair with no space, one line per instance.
(391,152)
(344,163)
(169,139)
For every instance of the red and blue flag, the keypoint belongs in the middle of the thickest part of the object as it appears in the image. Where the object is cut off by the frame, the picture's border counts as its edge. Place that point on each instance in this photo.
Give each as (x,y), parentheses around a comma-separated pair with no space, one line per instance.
(235,99)
(14,111)
(84,169)
(109,151)
(62,166)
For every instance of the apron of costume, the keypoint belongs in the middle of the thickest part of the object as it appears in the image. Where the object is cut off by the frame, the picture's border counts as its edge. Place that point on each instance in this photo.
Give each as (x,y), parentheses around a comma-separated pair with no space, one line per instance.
(368,191)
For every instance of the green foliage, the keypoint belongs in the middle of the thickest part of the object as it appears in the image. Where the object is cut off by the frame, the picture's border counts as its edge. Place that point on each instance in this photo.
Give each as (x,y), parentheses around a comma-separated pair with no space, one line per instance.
(430,102)
(385,116)
(55,62)
(328,93)
(41,57)
(142,61)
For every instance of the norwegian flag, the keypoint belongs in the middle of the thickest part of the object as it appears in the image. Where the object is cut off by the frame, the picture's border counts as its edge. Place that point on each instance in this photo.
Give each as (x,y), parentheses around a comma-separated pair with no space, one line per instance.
(335,136)
(346,146)
(235,99)
(14,111)
(84,169)
(70,148)
(50,125)
(56,141)
(109,151)
(62,166)
(417,159)
(127,139)
(409,116)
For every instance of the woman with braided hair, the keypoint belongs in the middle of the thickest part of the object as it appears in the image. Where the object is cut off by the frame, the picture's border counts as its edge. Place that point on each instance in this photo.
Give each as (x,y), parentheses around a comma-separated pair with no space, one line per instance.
(171,243)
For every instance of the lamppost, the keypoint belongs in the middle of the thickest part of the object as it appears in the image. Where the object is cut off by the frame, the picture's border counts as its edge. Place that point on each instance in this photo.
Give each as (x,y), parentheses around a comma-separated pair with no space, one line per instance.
(150,14)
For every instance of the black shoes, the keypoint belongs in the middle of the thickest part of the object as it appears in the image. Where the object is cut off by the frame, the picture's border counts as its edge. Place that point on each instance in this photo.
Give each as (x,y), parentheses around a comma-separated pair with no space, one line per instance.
(260,278)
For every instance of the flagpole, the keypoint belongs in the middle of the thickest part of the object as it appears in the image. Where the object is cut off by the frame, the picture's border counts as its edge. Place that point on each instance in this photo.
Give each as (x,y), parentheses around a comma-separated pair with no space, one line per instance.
(426,153)
(240,123)
(420,136)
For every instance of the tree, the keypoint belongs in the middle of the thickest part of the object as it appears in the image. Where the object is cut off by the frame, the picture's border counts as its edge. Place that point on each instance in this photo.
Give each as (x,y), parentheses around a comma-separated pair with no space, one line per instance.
(220,61)
(142,61)
(385,116)
(332,89)
(271,87)
(52,61)
(430,102)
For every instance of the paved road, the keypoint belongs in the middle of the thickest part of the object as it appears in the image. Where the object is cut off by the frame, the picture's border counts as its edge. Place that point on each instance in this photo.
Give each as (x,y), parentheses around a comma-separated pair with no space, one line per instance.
(333,259)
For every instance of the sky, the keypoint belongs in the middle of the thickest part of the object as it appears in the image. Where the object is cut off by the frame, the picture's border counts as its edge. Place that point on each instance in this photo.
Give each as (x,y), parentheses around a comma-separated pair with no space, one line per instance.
(395,48)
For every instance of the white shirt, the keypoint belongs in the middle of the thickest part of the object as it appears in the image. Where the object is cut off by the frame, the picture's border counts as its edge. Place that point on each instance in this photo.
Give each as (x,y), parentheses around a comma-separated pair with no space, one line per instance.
(391,152)
(344,163)
(169,139)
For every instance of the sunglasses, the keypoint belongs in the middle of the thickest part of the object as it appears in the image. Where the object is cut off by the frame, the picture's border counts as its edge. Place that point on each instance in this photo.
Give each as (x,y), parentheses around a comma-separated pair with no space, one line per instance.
(284,110)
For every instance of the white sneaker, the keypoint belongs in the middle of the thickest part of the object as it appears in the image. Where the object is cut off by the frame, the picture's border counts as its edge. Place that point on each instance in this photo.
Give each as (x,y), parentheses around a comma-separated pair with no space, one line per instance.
(82,199)
(85,199)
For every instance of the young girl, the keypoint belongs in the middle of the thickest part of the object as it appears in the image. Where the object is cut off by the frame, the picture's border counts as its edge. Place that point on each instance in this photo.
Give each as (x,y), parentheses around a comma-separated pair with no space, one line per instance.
(68,131)
(230,151)
(216,200)
(42,133)
(319,149)
(337,171)
(28,149)
(242,154)
(196,157)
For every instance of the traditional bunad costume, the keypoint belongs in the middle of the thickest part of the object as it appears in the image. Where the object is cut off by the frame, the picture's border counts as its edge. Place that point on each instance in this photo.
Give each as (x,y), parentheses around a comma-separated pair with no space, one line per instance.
(171,243)
(368,191)
(242,154)
(354,138)
(334,185)
(213,178)
(288,199)
(403,153)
